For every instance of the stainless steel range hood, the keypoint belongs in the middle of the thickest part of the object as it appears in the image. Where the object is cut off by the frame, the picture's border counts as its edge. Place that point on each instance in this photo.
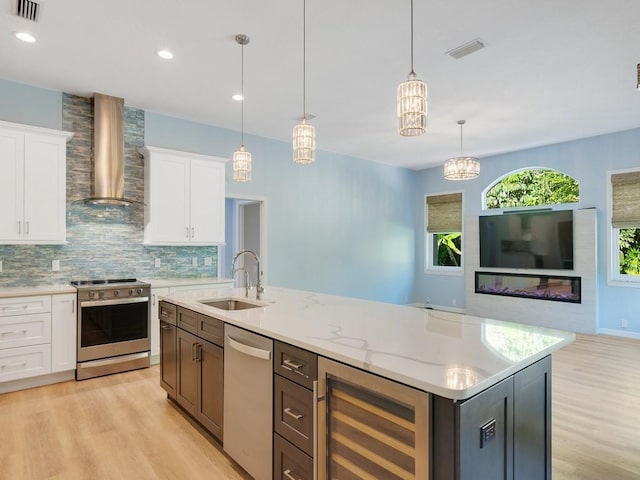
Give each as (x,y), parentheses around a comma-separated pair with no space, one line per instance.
(108,152)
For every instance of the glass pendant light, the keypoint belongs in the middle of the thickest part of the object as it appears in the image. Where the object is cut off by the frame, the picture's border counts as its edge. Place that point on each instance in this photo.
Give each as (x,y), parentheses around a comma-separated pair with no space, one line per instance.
(638,84)
(461,168)
(242,158)
(412,101)
(304,134)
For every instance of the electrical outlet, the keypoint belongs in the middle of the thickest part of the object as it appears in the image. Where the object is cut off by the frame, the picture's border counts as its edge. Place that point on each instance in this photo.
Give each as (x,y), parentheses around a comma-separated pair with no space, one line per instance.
(208,261)
(157,263)
(55,265)
(624,323)
(454,302)
(0,266)
(194,262)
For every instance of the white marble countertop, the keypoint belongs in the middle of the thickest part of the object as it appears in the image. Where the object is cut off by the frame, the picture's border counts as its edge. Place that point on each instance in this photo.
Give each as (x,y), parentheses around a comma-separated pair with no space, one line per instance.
(449,354)
(179,282)
(37,290)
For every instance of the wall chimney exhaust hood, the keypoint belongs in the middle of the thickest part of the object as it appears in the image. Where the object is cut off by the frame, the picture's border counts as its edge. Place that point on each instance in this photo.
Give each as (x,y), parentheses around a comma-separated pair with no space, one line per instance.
(108,152)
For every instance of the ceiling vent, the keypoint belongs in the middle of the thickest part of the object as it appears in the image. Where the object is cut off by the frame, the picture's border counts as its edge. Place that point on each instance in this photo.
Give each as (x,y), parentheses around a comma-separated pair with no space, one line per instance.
(466,49)
(28,10)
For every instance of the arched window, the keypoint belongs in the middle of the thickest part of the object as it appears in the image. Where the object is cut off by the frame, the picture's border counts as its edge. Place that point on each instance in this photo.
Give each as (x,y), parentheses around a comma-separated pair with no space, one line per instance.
(532,187)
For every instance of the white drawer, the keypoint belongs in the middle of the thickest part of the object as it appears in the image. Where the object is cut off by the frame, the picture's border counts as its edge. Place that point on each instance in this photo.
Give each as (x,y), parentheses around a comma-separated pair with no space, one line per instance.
(25,305)
(23,330)
(22,362)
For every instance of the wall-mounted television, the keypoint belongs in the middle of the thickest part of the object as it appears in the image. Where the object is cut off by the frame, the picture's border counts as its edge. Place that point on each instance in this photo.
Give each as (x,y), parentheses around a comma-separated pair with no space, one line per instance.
(535,239)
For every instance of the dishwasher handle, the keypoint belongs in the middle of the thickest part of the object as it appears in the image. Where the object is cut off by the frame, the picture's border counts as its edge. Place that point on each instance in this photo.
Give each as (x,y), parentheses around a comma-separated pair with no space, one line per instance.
(249,350)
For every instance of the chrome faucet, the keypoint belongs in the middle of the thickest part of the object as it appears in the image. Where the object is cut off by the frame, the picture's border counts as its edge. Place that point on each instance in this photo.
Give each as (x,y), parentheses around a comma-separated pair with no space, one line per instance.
(259,287)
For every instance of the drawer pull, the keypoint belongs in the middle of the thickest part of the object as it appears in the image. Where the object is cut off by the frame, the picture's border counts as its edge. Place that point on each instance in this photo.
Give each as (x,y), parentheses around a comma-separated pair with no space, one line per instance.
(166,327)
(293,414)
(287,473)
(14,365)
(13,309)
(291,365)
(15,332)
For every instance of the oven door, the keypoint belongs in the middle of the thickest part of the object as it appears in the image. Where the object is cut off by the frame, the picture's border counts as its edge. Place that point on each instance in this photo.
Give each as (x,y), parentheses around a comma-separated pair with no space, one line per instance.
(108,328)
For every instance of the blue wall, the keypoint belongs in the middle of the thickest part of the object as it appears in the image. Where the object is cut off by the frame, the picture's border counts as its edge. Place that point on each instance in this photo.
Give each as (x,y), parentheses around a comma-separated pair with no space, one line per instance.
(588,160)
(342,225)
(32,106)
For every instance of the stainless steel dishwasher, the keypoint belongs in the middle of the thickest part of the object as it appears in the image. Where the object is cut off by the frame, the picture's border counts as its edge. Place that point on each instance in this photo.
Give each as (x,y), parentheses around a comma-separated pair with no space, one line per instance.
(248,400)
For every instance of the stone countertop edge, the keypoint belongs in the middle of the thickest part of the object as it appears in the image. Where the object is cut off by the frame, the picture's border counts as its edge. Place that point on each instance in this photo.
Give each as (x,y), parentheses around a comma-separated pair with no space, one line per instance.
(360,333)
(179,282)
(57,289)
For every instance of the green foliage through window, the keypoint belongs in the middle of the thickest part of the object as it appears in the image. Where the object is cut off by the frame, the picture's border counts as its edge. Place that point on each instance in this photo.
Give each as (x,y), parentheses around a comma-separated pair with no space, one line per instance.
(448,249)
(629,243)
(533,187)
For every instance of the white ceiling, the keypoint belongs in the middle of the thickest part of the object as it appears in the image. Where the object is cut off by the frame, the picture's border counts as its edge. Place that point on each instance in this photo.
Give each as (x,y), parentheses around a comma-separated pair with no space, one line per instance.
(551,70)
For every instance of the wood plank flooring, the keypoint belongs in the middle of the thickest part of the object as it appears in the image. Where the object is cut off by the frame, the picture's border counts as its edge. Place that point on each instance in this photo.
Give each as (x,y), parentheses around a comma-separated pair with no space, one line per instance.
(121,426)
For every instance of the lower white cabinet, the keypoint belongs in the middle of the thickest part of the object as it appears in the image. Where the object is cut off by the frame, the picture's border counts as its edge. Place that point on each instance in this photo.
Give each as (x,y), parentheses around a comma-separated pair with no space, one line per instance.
(63,332)
(155,320)
(37,335)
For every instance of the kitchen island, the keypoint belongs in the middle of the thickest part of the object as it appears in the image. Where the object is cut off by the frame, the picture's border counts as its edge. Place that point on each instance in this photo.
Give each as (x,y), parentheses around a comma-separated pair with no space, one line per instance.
(482,386)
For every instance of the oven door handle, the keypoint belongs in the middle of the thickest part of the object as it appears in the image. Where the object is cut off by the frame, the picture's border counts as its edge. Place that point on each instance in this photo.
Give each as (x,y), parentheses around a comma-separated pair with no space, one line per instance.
(115,301)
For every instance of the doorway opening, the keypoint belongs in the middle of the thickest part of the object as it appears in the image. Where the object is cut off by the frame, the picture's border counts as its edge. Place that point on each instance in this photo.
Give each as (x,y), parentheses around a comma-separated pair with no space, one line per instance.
(245,229)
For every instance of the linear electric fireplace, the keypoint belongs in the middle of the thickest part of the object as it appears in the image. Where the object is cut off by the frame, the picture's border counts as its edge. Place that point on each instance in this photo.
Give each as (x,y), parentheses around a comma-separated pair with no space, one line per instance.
(540,287)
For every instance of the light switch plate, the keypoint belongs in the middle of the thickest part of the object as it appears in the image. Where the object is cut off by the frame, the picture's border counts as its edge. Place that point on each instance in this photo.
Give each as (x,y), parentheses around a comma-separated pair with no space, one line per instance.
(0,265)
(55,265)
(157,263)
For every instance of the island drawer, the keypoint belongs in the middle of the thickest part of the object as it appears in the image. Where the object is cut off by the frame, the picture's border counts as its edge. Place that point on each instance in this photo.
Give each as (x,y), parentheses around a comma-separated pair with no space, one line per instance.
(293,413)
(289,462)
(211,329)
(296,364)
(167,312)
(187,320)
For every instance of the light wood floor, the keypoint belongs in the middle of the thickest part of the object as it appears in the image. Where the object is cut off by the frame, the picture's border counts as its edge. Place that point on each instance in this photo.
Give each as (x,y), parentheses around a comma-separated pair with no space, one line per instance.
(121,427)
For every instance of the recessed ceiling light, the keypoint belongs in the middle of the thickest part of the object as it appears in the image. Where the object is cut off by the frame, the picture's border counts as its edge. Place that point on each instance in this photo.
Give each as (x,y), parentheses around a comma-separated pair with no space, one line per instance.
(25,37)
(165,54)
(237,97)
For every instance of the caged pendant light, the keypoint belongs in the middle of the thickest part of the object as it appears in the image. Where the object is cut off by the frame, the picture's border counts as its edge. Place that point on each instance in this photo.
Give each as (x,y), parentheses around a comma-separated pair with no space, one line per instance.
(461,168)
(304,134)
(242,158)
(412,101)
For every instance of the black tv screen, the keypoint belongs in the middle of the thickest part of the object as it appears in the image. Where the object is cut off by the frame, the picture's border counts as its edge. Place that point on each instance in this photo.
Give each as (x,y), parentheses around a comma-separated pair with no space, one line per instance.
(541,240)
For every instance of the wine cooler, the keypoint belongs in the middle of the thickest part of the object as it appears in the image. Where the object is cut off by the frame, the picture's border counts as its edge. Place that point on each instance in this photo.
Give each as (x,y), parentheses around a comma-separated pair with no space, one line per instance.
(370,427)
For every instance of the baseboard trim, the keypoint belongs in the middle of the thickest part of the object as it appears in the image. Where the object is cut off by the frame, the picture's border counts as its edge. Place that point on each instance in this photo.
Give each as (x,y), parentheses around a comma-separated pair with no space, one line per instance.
(618,333)
(40,381)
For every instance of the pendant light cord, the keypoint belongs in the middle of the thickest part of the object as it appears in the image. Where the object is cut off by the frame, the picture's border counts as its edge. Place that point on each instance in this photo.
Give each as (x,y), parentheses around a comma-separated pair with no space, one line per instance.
(461,139)
(242,93)
(412,37)
(304,59)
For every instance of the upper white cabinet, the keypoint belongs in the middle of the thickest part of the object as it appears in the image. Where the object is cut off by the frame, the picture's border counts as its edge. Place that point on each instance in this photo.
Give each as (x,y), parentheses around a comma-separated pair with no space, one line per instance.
(32,184)
(184,198)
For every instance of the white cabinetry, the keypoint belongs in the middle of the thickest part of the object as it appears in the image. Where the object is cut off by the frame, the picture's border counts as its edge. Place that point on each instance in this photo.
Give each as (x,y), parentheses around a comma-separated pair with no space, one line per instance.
(32,184)
(25,337)
(63,332)
(184,198)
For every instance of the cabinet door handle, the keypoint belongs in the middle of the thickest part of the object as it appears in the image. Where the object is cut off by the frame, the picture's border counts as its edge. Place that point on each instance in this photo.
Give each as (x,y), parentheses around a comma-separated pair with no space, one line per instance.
(288,473)
(193,232)
(153,299)
(166,327)
(293,414)
(26,227)
(186,232)
(73,306)
(198,352)
(19,227)
(193,351)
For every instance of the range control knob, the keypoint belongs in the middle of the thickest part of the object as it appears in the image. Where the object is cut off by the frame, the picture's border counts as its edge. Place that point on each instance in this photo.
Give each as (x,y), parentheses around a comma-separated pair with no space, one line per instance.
(130,292)
(116,293)
(92,294)
(139,291)
(101,294)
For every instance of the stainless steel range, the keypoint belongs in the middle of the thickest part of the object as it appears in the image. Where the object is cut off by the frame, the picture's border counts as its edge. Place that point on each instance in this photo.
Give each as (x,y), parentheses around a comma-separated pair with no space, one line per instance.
(113,326)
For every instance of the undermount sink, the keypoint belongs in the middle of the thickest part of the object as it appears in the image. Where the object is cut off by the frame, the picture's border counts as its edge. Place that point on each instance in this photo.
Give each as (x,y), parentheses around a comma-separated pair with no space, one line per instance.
(230,304)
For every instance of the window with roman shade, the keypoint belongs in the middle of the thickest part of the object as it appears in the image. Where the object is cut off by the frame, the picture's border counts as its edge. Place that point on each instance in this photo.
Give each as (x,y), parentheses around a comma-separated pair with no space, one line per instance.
(625,227)
(444,232)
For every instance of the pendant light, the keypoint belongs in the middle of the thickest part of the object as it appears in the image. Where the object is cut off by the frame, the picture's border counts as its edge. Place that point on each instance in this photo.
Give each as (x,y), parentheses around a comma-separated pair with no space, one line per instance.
(412,101)
(638,84)
(304,134)
(242,158)
(461,168)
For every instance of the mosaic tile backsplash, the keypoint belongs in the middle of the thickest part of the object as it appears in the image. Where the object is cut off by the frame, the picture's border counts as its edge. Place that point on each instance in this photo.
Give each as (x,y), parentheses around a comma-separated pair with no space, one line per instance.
(103,242)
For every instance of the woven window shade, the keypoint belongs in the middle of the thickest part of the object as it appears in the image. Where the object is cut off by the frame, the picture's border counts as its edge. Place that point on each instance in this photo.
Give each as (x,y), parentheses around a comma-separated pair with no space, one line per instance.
(444,213)
(626,200)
